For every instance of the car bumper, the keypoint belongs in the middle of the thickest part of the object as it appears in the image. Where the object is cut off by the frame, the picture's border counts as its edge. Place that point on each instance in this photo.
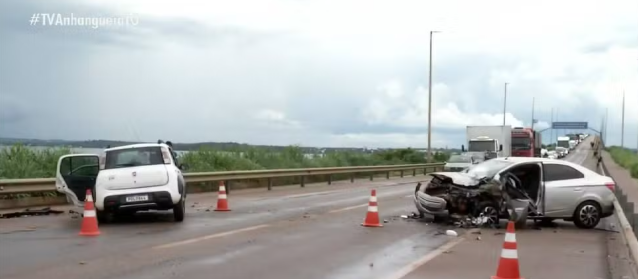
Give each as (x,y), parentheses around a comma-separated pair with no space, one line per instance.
(430,205)
(161,197)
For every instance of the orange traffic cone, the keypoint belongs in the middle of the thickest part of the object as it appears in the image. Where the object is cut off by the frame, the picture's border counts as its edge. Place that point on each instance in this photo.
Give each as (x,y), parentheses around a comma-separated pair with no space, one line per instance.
(372,217)
(89,221)
(508,264)
(222,198)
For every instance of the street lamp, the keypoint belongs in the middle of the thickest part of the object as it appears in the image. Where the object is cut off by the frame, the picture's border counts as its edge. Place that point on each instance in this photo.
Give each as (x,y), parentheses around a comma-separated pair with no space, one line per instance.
(430,102)
(504,103)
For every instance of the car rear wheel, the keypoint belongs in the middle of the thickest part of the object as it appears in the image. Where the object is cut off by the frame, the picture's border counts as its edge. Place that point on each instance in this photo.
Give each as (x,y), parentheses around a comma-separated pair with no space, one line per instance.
(179,209)
(103,217)
(587,215)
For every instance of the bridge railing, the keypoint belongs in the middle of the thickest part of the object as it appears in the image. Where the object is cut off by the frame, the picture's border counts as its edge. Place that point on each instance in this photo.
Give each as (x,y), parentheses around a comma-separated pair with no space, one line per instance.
(25,186)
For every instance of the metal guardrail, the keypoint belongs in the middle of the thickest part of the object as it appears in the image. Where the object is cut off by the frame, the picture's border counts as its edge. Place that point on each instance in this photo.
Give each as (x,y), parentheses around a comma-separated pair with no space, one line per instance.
(23,186)
(626,217)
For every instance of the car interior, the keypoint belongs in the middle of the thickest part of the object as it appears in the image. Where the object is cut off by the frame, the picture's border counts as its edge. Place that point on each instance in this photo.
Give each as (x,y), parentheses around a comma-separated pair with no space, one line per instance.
(530,176)
(79,174)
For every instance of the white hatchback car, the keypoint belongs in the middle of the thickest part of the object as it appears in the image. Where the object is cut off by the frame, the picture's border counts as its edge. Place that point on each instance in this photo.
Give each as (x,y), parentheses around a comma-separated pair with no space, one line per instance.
(125,179)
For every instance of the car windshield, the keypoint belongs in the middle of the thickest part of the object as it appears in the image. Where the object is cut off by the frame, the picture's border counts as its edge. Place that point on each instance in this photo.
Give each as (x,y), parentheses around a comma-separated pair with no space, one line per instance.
(521,143)
(459,159)
(487,168)
(133,157)
(481,145)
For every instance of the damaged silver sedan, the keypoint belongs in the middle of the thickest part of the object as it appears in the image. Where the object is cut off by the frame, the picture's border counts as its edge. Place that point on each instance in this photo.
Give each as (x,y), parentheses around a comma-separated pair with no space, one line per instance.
(517,188)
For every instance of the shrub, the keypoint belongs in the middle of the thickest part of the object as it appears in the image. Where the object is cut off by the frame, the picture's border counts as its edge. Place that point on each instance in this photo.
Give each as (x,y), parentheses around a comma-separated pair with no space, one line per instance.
(21,161)
(626,158)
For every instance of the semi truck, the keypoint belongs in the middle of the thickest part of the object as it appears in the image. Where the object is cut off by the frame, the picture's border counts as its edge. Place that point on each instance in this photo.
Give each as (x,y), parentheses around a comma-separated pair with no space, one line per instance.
(562,142)
(488,142)
(526,142)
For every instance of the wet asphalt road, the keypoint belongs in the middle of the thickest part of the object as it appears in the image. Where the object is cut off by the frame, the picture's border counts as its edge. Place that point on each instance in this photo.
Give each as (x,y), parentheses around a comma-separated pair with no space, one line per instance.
(290,232)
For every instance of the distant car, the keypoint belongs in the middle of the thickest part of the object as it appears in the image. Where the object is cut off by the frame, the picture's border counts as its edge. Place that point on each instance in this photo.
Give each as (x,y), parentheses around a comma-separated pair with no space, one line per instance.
(458,163)
(562,152)
(555,189)
(125,179)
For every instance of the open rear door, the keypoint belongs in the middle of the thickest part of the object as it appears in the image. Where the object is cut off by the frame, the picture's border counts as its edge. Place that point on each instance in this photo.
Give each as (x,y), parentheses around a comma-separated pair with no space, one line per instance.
(75,174)
(540,201)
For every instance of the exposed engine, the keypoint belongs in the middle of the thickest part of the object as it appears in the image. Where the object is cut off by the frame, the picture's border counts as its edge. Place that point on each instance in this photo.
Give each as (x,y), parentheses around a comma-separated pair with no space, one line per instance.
(462,200)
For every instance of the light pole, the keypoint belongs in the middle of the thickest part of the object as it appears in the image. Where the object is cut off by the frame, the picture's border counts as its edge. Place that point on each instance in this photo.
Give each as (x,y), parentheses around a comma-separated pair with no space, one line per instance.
(430,102)
(533,101)
(622,125)
(504,103)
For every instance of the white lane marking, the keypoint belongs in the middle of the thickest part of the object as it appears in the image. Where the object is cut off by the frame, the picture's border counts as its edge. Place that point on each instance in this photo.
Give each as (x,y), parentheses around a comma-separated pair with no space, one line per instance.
(206,237)
(409,196)
(311,194)
(348,208)
(509,254)
(428,257)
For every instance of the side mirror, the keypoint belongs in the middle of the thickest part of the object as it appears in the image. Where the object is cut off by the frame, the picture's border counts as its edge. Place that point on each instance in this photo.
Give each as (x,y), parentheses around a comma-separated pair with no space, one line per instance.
(462,148)
(500,147)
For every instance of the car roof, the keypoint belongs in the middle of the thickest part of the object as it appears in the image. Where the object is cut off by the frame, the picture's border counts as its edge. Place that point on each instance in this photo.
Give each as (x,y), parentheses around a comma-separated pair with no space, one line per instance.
(582,169)
(137,145)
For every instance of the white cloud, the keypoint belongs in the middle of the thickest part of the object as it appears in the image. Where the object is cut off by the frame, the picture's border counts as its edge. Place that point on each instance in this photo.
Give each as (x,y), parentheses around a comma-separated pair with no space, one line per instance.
(318,72)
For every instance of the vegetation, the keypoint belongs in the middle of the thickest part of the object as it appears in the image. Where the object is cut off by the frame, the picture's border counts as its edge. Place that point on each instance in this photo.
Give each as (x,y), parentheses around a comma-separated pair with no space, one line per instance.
(19,161)
(626,158)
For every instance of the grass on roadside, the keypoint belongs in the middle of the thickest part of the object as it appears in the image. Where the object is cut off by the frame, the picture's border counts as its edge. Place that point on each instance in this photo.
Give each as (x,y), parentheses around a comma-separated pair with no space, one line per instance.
(626,158)
(20,161)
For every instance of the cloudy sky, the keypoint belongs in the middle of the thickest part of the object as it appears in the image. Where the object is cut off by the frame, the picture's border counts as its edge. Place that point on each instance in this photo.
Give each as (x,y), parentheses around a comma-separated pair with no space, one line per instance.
(314,72)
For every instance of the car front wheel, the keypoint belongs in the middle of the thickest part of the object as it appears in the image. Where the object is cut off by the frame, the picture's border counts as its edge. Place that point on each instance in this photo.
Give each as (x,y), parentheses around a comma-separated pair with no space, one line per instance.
(179,210)
(587,215)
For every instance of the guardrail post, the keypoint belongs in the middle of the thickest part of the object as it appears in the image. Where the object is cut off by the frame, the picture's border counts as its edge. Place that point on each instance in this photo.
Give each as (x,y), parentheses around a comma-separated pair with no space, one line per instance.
(269,184)
(227,184)
(425,171)
(387,175)
(352,178)
(330,179)
(629,212)
(634,216)
(303,181)
(413,172)
(371,176)
(401,173)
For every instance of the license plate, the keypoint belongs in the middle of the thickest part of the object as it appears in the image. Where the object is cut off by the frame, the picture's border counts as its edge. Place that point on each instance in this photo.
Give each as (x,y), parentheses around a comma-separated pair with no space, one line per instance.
(137,198)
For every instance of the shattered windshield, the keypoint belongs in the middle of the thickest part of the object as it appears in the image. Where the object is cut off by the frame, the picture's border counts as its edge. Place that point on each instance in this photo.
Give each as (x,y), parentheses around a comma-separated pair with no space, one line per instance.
(481,145)
(487,168)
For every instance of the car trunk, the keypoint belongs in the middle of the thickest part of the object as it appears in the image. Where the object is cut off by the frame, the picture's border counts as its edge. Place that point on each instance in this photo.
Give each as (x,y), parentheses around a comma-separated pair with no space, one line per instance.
(136,177)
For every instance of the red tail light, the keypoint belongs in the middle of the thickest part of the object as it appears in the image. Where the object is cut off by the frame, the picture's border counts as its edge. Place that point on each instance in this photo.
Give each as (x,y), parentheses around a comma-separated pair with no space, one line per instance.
(611,186)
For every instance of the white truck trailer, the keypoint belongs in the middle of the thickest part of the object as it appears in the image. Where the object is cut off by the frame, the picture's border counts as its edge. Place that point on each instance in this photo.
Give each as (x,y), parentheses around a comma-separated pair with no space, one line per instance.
(489,141)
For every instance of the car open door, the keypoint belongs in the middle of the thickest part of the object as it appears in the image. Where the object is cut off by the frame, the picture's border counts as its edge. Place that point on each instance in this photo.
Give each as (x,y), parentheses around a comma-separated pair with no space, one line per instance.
(75,174)
(540,201)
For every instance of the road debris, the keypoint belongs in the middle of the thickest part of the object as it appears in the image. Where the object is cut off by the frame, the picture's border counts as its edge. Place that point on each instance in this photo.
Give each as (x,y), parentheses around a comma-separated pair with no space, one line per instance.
(451,233)
(30,212)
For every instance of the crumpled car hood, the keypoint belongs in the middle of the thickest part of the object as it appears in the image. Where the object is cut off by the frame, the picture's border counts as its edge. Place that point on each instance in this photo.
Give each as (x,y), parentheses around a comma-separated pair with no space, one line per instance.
(457,165)
(458,178)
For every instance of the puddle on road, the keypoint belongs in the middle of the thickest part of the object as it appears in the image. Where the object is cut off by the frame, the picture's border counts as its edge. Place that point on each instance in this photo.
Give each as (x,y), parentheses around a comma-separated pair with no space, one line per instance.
(391,258)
